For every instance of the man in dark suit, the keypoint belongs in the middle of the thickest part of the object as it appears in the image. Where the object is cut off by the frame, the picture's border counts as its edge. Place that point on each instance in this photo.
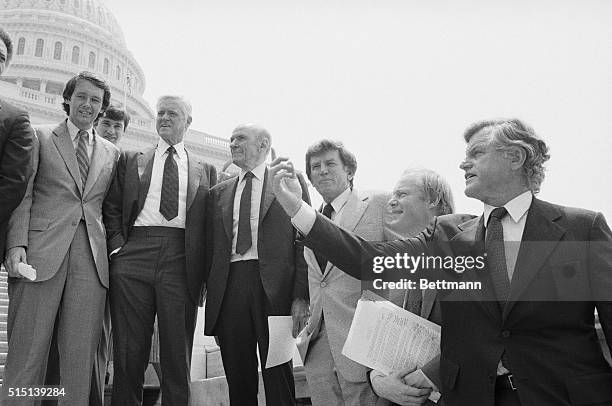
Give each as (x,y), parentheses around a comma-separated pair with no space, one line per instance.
(257,271)
(155,219)
(57,229)
(418,197)
(16,137)
(527,336)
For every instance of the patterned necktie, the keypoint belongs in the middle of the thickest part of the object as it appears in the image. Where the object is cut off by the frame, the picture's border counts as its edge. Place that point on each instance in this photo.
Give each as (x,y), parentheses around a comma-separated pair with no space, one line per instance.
(496,256)
(82,156)
(244,239)
(321,260)
(168,205)
(414,300)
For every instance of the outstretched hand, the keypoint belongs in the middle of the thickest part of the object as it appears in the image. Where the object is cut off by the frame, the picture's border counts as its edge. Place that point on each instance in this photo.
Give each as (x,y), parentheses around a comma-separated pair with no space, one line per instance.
(285,185)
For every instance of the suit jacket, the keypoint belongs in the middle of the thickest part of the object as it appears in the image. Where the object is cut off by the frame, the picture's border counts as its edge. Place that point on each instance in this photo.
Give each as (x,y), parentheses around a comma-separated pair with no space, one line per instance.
(282,267)
(127,197)
(16,139)
(333,293)
(55,202)
(563,272)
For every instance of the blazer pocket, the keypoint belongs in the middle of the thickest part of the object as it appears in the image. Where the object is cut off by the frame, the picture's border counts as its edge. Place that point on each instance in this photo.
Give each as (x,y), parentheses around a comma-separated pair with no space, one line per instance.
(449,372)
(39,224)
(590,389)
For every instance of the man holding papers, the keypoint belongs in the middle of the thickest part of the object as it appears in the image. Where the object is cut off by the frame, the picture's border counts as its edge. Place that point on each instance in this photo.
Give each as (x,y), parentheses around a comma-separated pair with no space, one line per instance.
(527,337)
(257,270)
(334,379)
(418,197)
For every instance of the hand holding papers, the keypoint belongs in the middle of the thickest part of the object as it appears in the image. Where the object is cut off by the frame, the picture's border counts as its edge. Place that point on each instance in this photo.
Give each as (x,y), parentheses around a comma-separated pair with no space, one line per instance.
(26,271)
(387,338)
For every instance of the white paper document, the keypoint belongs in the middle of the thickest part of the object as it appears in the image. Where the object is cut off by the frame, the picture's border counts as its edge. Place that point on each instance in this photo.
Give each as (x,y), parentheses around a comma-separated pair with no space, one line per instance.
(281,345)
(386,337)
(26,271)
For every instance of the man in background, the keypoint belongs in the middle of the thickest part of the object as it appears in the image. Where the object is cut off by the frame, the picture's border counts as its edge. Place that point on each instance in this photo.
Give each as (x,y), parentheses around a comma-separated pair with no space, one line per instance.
(334,379)
(418,197)
(257,270)
(57,229)
(16,138)
(113,124)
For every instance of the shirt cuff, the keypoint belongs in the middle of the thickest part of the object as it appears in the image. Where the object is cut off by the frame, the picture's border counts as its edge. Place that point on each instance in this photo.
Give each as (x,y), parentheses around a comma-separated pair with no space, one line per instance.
(304,219)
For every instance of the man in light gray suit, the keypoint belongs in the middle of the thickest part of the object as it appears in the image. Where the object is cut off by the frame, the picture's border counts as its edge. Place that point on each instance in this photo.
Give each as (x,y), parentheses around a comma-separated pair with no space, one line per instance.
(58,230)
(333,378)
(418,197)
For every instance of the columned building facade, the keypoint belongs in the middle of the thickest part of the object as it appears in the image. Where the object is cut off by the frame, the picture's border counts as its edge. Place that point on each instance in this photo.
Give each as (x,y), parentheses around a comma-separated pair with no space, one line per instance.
(55,39)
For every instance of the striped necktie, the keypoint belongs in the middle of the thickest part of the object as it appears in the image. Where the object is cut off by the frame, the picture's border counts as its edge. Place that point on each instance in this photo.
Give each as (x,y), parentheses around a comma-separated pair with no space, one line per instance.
(82,156)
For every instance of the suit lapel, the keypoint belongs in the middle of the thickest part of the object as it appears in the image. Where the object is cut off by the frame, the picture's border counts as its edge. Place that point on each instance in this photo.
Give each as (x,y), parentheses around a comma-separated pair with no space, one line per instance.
(540,237)
(145,169)
(351,214)
(227,206)
(98,158)
(65,147)
(194,173)
(267,197)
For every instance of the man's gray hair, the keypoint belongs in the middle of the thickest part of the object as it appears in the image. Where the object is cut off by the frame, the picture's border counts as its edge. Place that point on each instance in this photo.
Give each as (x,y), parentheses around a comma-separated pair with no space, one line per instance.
(178,99)
(435,188)
(508,133)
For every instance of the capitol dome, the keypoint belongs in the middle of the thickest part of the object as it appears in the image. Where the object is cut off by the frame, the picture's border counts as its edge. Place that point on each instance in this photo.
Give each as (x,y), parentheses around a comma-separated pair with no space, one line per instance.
(53,40)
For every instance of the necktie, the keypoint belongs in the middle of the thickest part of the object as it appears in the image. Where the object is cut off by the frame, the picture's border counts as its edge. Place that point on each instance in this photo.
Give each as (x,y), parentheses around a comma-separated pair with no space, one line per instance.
(321,260)
(496,256)
(414,300)
(82,156)
(244,239)
(168,205)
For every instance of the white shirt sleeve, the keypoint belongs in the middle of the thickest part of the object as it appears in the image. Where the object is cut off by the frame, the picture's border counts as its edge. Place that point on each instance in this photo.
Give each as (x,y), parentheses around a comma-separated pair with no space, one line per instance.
(304,219)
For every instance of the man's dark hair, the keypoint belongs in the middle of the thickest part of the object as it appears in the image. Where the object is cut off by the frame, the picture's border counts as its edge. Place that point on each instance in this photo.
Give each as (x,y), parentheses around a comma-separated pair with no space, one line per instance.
(94,80)
(325,145)
(9,45)
(117,114)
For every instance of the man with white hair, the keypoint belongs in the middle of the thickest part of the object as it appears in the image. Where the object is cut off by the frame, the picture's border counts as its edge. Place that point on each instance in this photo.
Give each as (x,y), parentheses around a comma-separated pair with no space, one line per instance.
(155,215)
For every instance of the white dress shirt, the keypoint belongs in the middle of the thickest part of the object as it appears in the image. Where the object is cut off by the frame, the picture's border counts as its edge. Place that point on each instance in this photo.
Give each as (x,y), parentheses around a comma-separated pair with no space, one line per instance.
(514,225)
(259,173)
(338,204)
(73,131)
(150,215)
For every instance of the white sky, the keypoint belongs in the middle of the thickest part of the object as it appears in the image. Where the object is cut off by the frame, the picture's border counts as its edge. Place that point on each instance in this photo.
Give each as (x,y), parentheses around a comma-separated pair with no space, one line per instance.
(397,80)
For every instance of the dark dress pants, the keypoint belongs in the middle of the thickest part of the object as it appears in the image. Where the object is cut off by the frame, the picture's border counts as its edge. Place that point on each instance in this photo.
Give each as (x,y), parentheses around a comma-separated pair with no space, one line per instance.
(148,277)
(242,325)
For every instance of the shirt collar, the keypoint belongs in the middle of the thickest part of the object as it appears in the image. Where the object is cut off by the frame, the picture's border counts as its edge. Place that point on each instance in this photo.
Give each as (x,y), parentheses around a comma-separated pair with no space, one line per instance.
(73,131)
(340,200)
(516,207)
(259,172)
(162,146)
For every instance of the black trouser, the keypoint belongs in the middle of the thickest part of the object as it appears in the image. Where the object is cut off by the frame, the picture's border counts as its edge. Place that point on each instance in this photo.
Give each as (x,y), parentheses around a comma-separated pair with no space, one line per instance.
(148,277)
(242,325)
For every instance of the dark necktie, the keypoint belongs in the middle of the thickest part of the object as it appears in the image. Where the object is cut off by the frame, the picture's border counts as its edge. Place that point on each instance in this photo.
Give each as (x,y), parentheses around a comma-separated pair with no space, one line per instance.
(496,256)
(82,156)
(414,300)
(321,260)
(244,239)
(168,205)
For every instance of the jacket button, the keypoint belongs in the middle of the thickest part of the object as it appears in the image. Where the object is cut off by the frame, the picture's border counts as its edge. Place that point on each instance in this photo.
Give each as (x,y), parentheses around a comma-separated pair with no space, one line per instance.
(323,284)
(505,334)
